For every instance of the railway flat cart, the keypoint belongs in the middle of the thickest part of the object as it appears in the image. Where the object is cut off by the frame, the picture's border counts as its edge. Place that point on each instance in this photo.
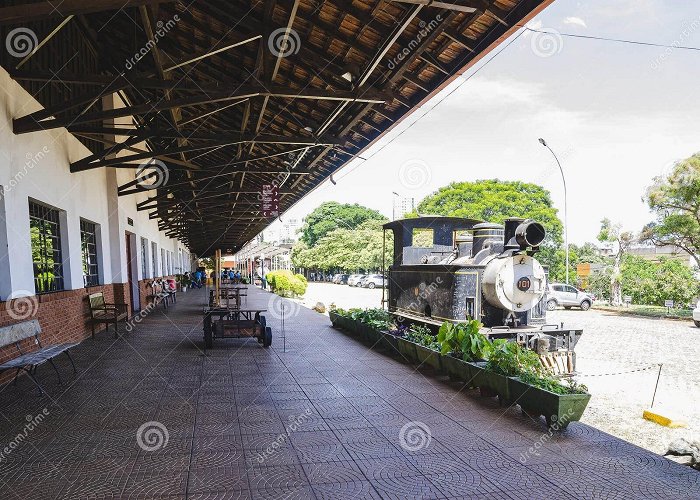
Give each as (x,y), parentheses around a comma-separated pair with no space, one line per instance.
(234,323)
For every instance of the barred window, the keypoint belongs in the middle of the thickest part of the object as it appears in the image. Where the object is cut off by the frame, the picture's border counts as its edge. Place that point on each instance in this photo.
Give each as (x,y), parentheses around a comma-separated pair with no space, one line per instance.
(88,245)
(45,234)
(154,259)
(144,256)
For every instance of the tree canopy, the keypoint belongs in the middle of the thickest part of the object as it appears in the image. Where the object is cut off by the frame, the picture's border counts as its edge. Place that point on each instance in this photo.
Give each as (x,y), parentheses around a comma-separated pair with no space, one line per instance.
(332,215)
(675,202)
(493,200)
(350,250)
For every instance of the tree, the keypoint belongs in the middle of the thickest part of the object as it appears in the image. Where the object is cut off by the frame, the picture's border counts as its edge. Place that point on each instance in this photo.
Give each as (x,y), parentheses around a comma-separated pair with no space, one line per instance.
(653,283)
(332,215)
(675,201)
(345,249)
(621,241)
(495,201)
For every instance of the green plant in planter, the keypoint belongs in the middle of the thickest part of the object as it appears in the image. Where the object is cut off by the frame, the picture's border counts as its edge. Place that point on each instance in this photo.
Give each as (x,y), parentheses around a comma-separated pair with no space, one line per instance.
(421,335)
(464,341)
(427,347)
(512,360)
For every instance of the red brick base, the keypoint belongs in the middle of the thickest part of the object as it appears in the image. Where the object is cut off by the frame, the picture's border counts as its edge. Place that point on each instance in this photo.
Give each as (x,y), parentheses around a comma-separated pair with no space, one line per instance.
(63,316)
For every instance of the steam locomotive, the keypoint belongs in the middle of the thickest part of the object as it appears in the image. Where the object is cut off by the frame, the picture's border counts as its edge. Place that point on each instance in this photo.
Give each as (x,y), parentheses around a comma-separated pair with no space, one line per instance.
(455,269)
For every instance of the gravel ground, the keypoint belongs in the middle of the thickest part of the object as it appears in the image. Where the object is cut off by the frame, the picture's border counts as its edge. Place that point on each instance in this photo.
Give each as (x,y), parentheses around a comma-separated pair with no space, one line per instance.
(611,344)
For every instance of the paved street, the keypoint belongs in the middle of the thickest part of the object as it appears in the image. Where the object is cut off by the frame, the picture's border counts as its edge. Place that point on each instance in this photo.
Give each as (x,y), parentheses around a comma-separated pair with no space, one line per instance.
(611,344)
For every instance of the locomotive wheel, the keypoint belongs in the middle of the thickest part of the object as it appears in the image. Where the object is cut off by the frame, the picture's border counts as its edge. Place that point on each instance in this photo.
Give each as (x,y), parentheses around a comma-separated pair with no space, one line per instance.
(551,305)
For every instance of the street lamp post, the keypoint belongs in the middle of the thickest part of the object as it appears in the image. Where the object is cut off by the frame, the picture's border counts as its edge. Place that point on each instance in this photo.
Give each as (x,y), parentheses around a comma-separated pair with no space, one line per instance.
(393,205)
(566,215)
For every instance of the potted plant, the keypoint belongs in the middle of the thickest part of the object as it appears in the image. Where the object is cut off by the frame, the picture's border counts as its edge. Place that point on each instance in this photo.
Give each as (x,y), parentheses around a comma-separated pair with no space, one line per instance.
(460,343)
(185,282)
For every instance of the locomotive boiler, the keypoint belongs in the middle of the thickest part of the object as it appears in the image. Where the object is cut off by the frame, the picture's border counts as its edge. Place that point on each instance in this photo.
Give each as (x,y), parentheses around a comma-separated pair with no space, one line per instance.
(455,269)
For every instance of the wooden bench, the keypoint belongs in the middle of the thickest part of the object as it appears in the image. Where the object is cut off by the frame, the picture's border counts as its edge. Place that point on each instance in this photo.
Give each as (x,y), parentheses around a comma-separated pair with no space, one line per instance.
(106,313)
(28,361)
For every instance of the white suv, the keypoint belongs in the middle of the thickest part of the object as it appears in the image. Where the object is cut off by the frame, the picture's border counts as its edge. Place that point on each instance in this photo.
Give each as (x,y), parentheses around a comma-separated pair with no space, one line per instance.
(559,294)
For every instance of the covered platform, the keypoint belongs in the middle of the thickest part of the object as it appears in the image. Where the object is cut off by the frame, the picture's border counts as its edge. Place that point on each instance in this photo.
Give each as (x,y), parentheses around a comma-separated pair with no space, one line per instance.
(150,416)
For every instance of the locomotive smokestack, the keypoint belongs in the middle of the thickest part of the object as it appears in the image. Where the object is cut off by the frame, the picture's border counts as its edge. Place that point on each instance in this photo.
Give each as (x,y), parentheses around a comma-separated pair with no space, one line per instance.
(522,233)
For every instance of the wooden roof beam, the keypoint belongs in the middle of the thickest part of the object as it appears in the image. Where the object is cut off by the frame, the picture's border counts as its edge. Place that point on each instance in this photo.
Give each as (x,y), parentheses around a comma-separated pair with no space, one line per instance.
(39,11)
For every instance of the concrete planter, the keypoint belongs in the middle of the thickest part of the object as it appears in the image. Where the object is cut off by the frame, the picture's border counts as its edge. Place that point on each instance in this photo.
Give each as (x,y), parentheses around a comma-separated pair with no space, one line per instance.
(335,319)
(428,357)
(371,336)
(458,370)
(390,343)
(490,383)
(557,409)
(407,350)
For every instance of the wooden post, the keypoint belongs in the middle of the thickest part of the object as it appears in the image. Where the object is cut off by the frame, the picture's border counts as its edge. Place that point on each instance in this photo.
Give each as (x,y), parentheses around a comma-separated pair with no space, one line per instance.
(217,276)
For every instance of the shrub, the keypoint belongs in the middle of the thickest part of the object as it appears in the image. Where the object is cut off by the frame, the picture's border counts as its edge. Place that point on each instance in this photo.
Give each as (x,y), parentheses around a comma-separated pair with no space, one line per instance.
(285,283)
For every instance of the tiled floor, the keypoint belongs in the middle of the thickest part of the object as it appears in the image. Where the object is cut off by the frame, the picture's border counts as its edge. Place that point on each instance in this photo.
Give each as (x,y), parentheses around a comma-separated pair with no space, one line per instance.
(324,418)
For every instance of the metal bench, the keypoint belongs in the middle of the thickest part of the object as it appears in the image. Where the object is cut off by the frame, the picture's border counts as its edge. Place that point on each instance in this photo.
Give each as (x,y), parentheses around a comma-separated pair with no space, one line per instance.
(161,293)
(28,361)
(106,313)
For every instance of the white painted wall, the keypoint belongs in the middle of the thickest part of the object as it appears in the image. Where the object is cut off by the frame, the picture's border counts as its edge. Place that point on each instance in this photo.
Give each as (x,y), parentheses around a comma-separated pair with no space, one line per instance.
(36,165)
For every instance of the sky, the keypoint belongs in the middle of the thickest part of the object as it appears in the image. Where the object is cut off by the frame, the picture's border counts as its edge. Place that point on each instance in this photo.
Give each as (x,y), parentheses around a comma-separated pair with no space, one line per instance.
(616,114)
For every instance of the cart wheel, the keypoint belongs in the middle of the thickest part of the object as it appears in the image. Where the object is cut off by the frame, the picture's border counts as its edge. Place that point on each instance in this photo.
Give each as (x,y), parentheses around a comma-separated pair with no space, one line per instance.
(268,337)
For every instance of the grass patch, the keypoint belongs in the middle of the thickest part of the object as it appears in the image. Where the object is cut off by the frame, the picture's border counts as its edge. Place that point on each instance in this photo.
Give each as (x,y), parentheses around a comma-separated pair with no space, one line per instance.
(649,311)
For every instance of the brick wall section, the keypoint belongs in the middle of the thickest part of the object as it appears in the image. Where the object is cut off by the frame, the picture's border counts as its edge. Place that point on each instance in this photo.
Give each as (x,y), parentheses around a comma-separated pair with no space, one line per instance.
(63,316)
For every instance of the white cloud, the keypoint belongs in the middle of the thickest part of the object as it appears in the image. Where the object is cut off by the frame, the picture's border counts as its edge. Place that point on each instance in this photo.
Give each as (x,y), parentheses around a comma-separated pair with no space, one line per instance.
(575,21)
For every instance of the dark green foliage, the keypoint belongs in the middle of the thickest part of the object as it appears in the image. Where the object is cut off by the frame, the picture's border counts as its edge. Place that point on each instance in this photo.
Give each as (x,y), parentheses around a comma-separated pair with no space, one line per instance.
(333,215)
(464,340)
(422,335)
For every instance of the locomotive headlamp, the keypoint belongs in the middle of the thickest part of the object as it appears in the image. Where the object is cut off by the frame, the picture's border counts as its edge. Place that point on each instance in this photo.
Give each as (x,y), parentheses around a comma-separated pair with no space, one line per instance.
(515,283)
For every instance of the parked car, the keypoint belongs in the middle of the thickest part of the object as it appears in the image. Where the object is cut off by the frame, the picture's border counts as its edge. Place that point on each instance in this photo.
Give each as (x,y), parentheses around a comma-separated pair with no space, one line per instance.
(373,281)
(354,279)
(567,296)
(341,279)
(696,314)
